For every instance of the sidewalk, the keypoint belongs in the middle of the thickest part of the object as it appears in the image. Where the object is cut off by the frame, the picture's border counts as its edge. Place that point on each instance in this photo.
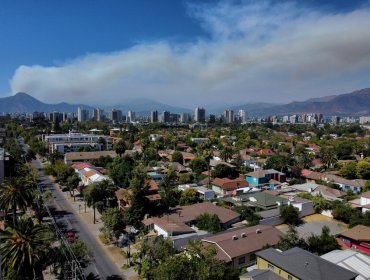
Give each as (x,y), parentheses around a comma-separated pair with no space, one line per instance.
(114,252)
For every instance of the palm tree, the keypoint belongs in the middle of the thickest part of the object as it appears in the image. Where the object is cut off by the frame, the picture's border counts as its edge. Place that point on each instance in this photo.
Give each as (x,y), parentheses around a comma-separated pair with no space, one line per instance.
(14,194)
(208,155)
(23,247)
(92,197)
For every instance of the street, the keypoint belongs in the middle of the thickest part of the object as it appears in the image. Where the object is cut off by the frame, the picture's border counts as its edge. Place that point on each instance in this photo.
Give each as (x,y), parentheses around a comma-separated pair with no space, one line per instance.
(101,266)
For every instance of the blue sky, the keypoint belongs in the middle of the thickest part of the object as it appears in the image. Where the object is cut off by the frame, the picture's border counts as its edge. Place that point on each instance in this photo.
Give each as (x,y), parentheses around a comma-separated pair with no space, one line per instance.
(188,52)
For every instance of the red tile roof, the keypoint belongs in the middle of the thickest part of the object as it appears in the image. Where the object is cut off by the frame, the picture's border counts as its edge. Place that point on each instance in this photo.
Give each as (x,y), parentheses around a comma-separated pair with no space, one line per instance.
(230,184)
(81,165)
(366,194)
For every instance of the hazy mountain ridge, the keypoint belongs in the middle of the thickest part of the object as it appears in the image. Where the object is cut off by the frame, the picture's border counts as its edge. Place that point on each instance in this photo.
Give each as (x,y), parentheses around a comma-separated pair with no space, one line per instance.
(354,103)
(24,103)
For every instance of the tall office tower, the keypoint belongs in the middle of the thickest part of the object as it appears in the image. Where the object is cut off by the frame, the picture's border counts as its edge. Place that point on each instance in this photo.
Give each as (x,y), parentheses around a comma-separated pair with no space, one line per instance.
(154,116)
(229,116)
(57,117)
(242,116)
(2,159)
(166,117)
(98,114)
(212,118)
(200,115)
(116,116)
(131,116)
(82,114)
(174,118)
(185,117)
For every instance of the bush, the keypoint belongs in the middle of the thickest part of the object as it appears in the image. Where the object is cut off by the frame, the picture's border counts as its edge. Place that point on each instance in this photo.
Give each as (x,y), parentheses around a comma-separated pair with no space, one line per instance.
(290,215)
(210,223)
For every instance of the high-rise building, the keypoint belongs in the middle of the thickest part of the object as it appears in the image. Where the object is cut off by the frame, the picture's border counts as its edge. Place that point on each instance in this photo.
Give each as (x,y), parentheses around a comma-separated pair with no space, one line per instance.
(98,114)
(229,116)
(242,116)
(131,116)
(185,117)
(116,116)
(166,117)
(174,118)
(82,114)
(200,115)
(154,116)
(364,119)
(2,159)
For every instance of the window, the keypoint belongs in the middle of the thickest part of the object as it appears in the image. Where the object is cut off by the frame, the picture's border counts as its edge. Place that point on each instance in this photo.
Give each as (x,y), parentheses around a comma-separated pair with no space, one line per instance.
(252,257)
(270,266)
(290,277)
(241,260)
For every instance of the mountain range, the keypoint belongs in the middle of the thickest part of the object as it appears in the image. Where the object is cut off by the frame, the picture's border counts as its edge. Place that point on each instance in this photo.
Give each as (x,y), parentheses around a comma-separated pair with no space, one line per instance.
(355,103)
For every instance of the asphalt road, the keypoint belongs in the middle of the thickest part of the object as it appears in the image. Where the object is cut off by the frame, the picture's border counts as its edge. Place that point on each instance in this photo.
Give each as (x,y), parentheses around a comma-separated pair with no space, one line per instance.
(101,267)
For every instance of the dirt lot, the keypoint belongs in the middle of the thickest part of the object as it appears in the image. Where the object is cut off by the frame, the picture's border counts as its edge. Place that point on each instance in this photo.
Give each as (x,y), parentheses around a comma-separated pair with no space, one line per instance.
(313,225)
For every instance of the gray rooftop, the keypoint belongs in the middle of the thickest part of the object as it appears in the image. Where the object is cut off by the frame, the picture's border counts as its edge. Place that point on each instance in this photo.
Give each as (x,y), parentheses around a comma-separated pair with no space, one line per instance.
(351,260)
(261,274)
(306,266)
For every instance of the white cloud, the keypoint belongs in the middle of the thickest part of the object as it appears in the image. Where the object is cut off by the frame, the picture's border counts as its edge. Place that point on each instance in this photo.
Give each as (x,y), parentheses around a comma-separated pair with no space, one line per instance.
(257,52)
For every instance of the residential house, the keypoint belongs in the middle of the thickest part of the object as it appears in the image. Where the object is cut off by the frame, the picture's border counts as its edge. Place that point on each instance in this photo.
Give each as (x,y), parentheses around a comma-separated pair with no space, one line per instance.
(72,157)
(203,192)
(124,195)
(351,260)
(344,184)
(228,187)
(314,189)
(296,264)
(238,246)
(183,217)
(365,201)
(357,238)
(269,177)
(257,201)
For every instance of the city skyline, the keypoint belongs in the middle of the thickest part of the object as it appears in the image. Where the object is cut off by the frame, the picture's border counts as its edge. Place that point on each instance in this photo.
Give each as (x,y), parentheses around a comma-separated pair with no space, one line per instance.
(200,52)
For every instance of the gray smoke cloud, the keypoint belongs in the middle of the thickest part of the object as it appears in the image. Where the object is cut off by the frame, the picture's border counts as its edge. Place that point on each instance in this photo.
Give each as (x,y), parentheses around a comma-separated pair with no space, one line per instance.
(256,52)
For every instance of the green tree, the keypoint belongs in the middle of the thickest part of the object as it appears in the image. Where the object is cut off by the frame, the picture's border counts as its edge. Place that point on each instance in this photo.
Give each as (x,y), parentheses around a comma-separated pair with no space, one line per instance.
(72,183)
(328,156)
(188,197)
(290,215)
(248,214)
(349,170)
(366,186)
(223,171)
(120,147)
(167,190)
(290,240)
(342,212)
(177,157)
(198,262)
(138,201)
(322,244)
(121,170)
(208,222)
(15,193)
(279,162)
(114,223)
(150,253)
(198,165)
(363,169)
(23,247)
